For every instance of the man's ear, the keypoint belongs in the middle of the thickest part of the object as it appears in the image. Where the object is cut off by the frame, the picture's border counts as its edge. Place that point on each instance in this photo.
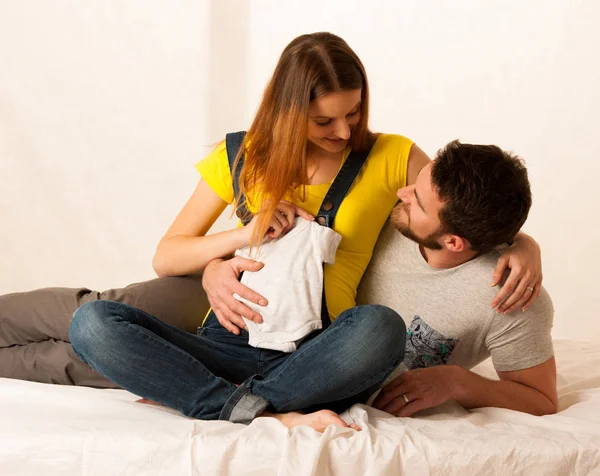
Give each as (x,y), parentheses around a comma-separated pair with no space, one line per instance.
(456,243)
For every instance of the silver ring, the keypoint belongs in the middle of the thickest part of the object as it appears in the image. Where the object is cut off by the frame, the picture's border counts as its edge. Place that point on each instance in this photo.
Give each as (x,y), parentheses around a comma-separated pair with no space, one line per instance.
(406,400)
(529,288)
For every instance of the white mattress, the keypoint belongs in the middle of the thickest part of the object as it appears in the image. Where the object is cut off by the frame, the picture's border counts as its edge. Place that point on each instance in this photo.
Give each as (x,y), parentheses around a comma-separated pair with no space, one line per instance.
(54,430)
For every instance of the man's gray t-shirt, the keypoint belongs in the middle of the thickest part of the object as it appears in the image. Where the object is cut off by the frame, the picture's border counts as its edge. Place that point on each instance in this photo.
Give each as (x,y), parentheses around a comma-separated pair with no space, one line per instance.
(447,312)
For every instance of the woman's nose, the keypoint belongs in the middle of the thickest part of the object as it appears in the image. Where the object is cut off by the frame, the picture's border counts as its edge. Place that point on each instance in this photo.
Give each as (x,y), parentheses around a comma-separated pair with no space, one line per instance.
(343,130)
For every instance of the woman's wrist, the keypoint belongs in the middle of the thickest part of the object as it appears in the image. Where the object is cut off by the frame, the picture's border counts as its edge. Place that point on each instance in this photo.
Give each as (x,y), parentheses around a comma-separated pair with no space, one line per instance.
(520,236)
(523,237)
(242,234)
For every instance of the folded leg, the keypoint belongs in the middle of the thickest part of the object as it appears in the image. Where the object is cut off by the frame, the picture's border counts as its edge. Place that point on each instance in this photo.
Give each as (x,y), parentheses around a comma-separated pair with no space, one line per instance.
(34,325)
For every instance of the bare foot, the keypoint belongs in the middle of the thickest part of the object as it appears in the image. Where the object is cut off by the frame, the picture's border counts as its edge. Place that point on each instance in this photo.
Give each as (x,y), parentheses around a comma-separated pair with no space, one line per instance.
(149,402)
(317,420)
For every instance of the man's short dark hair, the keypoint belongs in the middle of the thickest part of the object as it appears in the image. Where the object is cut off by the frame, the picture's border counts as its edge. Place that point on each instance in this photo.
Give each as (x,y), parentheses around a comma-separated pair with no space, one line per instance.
(486,193)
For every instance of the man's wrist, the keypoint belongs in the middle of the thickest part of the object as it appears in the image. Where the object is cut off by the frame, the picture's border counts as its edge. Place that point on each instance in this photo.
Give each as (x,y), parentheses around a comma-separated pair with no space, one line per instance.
(214,261)
(457,382)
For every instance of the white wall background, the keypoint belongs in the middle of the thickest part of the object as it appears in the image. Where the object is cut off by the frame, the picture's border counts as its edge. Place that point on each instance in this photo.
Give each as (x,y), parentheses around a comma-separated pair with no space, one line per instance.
(106,106)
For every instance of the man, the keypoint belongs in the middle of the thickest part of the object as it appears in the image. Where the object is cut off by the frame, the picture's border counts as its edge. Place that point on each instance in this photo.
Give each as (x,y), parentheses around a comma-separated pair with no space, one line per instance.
(432,265)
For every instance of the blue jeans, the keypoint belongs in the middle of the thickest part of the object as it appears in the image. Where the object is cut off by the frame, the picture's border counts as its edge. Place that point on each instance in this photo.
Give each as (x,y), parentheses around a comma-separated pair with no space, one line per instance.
(217,375)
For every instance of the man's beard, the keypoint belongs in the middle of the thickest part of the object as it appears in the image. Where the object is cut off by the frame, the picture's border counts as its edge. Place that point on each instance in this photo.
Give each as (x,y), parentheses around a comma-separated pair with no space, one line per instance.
(398,221)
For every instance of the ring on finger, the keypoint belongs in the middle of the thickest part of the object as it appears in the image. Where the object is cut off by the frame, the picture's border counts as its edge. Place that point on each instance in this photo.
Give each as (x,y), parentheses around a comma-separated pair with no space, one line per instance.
(405,398)
(529,288)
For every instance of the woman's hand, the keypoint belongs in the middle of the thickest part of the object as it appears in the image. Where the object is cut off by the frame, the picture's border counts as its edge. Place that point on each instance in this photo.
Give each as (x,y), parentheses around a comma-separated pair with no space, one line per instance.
(282,220)
(220,280)
(522,287)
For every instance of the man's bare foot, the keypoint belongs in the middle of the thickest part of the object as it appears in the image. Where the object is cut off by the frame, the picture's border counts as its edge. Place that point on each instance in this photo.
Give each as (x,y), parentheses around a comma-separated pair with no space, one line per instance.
(317,420)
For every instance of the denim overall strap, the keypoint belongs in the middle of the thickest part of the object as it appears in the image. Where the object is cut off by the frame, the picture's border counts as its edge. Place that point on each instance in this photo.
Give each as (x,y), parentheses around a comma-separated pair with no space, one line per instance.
(332,201)
(233,142)
(340,187)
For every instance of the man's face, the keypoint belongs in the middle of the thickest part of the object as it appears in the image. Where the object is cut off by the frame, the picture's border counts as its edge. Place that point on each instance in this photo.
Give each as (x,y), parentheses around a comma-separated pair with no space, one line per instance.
(417,216)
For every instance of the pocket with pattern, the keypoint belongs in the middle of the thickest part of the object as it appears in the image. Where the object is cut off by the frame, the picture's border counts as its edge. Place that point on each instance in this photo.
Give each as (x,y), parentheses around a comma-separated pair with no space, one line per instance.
(426,347)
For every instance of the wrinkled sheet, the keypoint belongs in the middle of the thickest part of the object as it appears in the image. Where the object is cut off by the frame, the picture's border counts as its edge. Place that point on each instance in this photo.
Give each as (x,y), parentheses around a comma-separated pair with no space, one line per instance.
(56,430)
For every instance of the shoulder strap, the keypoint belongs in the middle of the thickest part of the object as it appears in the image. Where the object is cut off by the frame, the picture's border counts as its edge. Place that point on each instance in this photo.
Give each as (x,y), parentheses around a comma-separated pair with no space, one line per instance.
(340,187)
(332,201)
(233,142)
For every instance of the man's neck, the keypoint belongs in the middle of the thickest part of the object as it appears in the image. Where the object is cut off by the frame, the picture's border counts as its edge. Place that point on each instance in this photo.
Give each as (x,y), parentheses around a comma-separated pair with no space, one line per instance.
(444,259)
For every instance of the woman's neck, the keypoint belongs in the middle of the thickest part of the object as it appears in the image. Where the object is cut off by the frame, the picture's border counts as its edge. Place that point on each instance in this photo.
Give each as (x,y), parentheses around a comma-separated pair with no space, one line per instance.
(316,153)
(322,166)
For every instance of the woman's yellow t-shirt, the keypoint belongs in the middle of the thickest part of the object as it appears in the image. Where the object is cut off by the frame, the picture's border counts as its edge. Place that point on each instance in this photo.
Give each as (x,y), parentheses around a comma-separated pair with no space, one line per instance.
(360,217)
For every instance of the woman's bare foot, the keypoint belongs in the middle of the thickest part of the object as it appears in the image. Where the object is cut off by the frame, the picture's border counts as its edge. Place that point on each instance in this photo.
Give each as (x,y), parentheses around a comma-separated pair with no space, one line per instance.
(149,402)
(317,420)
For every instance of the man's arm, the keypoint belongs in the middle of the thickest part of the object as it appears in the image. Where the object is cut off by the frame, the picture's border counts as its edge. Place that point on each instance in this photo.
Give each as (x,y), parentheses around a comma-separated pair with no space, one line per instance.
(530,390)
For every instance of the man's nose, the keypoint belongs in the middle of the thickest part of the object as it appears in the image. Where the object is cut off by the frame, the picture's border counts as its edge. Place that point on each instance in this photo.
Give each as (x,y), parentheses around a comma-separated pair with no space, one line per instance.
(404,194)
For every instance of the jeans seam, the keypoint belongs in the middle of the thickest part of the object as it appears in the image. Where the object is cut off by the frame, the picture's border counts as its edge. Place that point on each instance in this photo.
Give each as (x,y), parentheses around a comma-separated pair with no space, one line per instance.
(260,364)
(120,305)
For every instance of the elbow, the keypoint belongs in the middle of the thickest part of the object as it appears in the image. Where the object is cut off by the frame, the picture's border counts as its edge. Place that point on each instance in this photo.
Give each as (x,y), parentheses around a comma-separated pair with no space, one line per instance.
(552,409)
(158,269)
(159,264)
(548,407)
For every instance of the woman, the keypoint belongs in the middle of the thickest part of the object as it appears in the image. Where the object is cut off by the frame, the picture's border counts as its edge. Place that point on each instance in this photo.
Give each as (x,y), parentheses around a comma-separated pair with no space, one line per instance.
(313,113)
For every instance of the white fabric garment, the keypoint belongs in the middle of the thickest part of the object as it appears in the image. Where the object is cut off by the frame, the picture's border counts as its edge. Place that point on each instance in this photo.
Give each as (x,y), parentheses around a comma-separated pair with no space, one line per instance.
(292,282)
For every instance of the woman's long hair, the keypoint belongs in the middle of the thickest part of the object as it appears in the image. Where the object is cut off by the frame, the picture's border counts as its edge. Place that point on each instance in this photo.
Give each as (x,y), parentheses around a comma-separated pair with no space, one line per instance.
(275,146)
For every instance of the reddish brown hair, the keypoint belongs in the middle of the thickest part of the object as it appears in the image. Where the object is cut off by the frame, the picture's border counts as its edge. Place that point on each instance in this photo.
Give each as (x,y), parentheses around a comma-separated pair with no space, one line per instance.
(276,143)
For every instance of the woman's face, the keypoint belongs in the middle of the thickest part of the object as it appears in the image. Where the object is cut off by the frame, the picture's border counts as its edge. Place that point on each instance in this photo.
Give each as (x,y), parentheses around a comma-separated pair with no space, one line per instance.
(331,119)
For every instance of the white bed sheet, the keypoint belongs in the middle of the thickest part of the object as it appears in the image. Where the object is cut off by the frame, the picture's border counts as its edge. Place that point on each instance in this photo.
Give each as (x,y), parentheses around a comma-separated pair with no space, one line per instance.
(55,430)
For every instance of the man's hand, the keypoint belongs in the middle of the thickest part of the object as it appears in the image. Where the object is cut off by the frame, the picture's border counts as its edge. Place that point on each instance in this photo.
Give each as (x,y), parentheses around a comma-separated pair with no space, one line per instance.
(422,388)
(531,390)
(220,281)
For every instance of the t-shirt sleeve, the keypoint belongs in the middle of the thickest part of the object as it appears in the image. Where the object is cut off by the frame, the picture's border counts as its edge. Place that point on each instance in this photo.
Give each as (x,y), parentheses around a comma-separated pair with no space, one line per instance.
(395,149)
(214,169)
(327,242)
(522,340)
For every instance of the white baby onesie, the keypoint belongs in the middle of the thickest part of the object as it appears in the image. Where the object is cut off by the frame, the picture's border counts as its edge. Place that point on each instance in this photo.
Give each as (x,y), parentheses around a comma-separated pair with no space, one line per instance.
(292,282)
